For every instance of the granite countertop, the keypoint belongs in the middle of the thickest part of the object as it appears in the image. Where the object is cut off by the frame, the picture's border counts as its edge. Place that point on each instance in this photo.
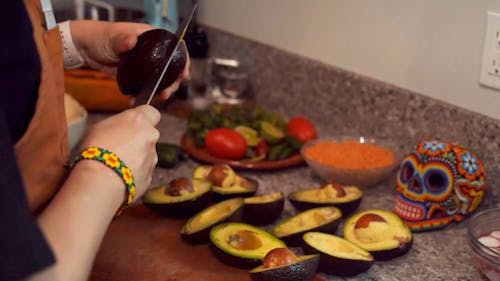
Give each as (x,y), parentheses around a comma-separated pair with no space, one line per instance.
(340,102)
(437,255)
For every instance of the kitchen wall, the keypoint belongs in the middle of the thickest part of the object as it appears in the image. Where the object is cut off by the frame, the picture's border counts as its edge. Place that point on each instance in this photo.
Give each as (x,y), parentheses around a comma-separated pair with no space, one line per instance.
(431,47)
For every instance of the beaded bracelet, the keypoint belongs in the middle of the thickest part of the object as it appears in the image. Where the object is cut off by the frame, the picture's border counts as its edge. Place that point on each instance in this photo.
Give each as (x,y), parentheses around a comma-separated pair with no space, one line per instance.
(111,160)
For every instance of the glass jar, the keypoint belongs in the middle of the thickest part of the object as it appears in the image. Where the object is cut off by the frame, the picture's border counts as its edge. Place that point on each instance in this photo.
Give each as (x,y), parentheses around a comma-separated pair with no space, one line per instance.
(487,259)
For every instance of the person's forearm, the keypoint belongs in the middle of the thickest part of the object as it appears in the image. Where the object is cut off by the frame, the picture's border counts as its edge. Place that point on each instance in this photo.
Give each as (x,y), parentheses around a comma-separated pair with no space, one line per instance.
(76,220)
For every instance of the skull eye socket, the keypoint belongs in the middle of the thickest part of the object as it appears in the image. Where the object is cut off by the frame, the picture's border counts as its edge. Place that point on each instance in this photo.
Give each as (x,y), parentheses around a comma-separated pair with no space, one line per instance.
(407,171)
(436,181)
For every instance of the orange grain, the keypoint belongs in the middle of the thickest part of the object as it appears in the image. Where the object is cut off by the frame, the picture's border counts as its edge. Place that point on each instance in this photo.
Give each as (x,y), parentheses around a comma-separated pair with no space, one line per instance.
(349,155)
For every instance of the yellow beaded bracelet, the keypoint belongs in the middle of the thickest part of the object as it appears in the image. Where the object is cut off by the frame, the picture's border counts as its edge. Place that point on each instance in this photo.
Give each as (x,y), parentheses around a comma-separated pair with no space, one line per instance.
(111,160)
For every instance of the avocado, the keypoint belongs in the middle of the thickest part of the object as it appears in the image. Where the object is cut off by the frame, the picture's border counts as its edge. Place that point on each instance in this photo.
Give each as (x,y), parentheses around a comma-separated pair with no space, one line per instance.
(380,232)
(197,228)
(346,198)
(281,264)
(337,255)
(264,209)
(324,219)
(169,154)
(242,245)
(147,59)
(226,183)
(180,197)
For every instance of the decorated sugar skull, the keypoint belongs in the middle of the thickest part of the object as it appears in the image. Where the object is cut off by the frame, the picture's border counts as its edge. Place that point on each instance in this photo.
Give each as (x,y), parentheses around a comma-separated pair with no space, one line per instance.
(438,183)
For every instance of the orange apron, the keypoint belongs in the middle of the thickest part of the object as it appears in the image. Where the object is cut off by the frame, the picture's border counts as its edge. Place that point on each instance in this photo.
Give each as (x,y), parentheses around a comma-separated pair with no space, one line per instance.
(42,152)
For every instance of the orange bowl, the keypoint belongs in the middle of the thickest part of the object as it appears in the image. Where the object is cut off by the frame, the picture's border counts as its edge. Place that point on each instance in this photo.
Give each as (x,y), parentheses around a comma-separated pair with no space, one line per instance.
(348,160)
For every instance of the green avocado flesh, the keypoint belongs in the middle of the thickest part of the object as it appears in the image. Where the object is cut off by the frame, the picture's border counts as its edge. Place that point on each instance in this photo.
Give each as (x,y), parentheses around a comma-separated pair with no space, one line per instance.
(337,255)
(324,219)
(302,270)
(264,209)
(380,232)
(197,228)
(159,195)
(347,201)
(262,199)
(242,245)
(225,182)
(181,203)
(241,185)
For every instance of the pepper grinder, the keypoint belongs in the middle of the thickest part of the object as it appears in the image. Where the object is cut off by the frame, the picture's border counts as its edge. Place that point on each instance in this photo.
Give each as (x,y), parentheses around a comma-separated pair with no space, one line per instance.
(197,86)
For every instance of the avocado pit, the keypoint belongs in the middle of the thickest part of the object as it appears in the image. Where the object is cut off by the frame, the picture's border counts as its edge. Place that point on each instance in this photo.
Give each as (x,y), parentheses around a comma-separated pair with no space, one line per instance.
(179,187)
(279,257)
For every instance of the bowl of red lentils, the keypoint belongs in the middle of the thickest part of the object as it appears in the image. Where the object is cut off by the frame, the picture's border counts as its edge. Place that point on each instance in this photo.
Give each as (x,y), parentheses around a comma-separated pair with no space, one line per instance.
(483,235)
(348,160)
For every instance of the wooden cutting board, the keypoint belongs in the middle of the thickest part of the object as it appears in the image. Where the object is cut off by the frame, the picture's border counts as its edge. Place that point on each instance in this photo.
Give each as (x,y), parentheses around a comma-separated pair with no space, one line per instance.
(143,245)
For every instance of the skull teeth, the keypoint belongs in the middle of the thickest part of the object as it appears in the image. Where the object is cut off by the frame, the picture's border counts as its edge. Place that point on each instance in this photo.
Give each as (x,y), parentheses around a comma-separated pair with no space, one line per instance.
(407,211)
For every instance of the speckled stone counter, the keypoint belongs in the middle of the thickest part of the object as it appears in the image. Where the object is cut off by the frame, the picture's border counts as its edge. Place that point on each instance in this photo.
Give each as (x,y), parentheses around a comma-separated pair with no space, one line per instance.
(340,102)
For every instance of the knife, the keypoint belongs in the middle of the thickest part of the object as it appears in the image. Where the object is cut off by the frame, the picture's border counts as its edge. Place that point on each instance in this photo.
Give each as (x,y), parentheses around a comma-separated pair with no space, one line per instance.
(149,89)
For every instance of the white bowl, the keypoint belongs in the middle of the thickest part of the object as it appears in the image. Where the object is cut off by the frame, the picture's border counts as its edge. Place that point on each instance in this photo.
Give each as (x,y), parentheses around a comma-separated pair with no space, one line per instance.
(76,117)
(361,177)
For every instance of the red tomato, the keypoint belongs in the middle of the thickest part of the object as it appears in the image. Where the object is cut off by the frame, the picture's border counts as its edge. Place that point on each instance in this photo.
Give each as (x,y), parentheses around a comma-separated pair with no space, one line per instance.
(301,128)
(225,143)
(261,148)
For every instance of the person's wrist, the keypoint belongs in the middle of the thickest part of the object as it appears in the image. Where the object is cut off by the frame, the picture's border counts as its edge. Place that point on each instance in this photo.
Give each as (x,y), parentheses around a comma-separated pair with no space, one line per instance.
(71,55)
(115,164)
(106,182)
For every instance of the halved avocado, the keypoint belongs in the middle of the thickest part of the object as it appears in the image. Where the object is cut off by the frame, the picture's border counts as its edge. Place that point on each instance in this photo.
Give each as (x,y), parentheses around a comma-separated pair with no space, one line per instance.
(323,219)
(242,245)
(346,198)
(264,209)
(219,174)
(226,183)
(242,187)
(197,228)
(281,264)
(380,232)
(180,197)
(337,255)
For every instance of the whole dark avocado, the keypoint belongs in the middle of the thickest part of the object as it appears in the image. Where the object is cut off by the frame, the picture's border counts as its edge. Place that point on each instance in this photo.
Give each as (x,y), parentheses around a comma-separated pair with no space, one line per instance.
(147,59)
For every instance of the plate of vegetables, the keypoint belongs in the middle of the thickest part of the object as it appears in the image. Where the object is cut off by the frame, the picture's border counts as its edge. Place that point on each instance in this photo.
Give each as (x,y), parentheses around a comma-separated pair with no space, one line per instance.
(246,138)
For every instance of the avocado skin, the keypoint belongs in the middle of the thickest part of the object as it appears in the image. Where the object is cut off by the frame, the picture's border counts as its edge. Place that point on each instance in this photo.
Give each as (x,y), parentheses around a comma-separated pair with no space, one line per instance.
(384,255)
(203,236)
(182,209)
(147,59)
(299,271)
(239,262)
(337,266)
(262,214)
(345,207)
(218,196)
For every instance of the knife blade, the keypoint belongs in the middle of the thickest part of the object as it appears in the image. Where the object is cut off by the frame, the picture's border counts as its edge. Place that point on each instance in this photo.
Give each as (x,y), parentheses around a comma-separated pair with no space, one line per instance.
(149,89)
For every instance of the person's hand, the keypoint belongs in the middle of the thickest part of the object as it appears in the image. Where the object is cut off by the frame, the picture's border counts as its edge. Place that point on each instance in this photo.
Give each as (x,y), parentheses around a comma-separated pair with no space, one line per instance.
(100,43)
(132,136)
